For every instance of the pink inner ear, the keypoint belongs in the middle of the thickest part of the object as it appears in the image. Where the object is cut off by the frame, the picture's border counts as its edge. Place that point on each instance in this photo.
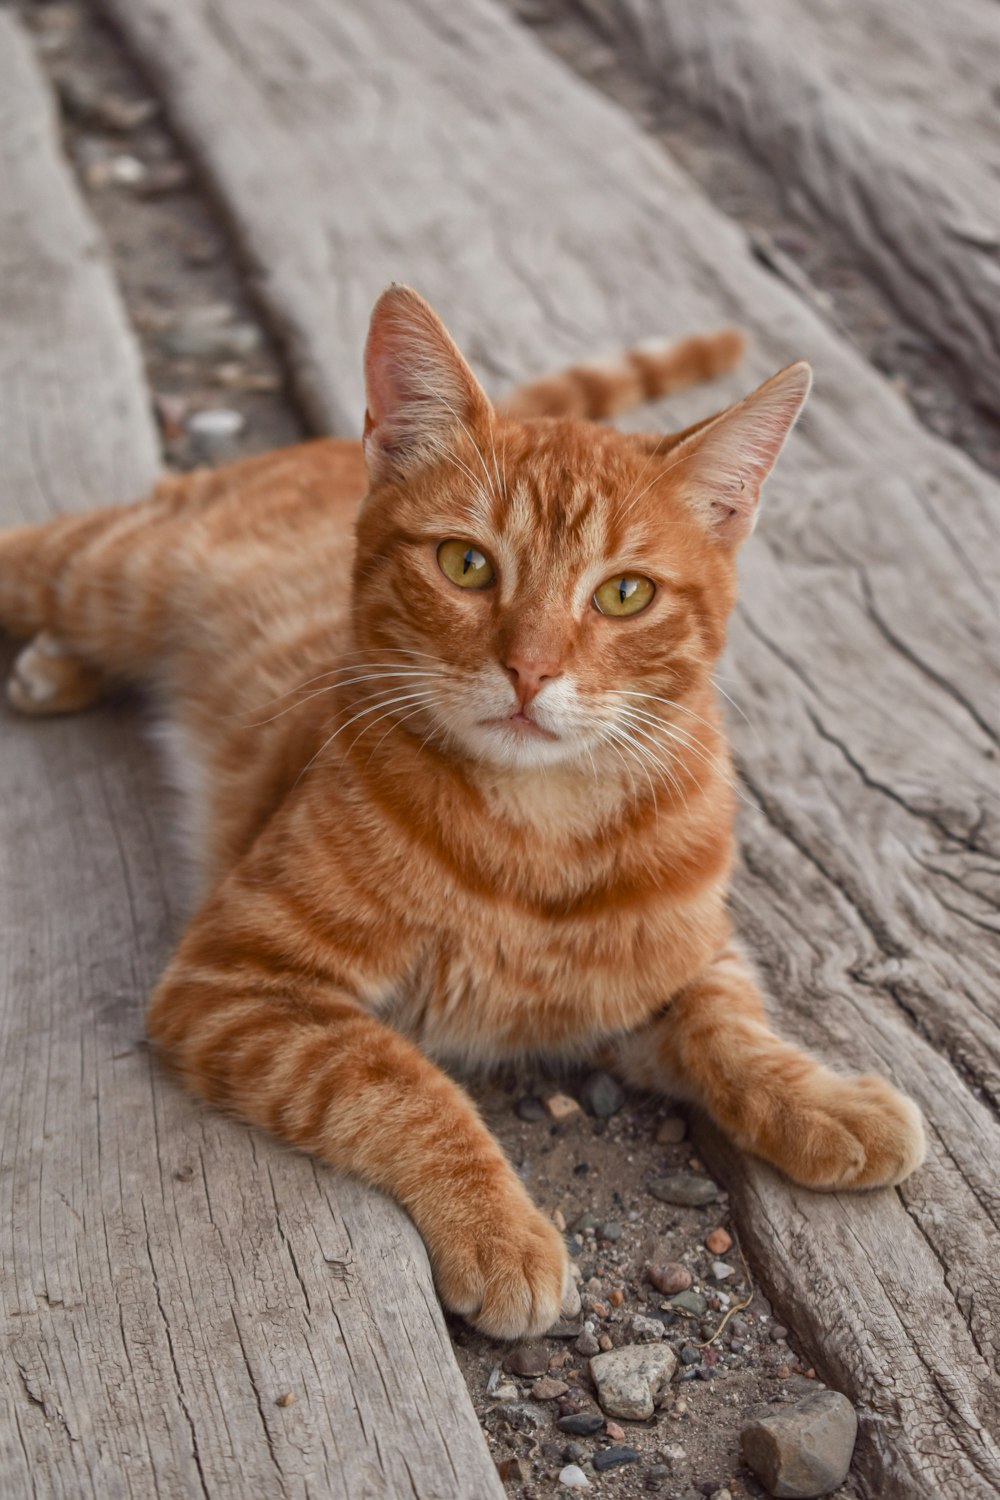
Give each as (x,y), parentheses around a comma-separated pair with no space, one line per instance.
(728,461)
(420,391)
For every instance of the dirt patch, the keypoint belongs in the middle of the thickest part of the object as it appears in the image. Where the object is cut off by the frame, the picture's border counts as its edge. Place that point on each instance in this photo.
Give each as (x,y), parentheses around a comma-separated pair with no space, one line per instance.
(594,1176)
(218,384)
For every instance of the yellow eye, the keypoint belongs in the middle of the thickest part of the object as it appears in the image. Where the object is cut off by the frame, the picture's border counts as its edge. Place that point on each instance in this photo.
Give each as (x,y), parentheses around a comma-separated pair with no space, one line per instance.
(465,565)
(625,595)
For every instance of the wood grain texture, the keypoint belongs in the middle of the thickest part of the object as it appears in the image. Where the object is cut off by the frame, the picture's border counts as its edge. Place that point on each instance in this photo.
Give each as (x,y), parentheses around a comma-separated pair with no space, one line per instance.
(167,1274)
(880,122)
(442,146)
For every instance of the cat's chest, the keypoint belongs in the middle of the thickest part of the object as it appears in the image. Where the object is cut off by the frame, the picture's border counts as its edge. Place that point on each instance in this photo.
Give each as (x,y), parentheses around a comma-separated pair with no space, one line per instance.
(495,985)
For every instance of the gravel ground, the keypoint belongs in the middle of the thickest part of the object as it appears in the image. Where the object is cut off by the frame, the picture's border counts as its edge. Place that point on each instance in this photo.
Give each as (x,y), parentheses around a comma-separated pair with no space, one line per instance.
(220,392)
(593,1175)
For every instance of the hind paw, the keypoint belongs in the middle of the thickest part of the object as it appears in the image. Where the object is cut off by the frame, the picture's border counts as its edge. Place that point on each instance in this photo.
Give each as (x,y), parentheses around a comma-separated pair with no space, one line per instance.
(48,679)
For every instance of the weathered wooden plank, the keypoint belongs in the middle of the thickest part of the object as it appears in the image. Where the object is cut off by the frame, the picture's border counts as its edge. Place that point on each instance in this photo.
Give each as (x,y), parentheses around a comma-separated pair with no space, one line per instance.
(882,123)
(403,140)
(167,1274)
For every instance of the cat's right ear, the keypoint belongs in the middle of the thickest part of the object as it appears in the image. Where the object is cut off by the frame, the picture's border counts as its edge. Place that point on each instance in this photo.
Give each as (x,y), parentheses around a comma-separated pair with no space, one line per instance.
(420,391)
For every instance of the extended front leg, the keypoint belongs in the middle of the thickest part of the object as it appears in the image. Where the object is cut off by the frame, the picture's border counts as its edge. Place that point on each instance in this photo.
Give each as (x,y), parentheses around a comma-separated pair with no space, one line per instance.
(713,1044)
(258,1013)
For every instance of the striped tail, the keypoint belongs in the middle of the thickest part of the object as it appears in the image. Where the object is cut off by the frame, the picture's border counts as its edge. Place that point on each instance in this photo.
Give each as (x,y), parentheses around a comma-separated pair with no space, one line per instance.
(603,388)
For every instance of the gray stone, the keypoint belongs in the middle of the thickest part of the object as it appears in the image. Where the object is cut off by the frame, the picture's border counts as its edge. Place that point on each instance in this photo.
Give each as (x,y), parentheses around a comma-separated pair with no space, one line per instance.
(574,1453)
(671,1132)
(582,1423)
(632,1380)
(583,1221)
(611,1230)
(690,1302)
(527,1359)
(587,1344)
(613,1458)
(530,1109)
(574,1478)
(803,1450)
(646,1330)
(209,332)
(602,1095)
(685,1189)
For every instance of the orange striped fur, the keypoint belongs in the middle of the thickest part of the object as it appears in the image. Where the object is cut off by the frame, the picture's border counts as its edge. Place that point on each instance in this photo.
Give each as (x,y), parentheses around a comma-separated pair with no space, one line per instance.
(448,825)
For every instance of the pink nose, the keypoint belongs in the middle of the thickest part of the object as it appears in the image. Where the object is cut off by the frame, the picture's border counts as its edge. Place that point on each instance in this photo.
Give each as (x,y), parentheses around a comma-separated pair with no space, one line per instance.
(529,675)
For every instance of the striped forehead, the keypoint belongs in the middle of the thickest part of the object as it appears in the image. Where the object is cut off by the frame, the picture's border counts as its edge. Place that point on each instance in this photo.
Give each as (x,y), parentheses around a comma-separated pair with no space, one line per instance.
(550,529)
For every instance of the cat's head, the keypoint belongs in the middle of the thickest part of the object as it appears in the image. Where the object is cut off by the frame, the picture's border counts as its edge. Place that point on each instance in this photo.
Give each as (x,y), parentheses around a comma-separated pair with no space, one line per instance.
(544,590)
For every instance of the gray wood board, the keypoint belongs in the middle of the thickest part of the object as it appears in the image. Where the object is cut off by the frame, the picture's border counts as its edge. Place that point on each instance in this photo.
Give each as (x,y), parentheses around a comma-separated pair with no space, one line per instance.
(167,1274)
(878,121)
(442,146)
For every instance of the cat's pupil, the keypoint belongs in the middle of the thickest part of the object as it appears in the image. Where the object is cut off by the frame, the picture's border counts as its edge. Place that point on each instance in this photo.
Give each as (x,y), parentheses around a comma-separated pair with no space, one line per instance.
(626,586)
(471,559)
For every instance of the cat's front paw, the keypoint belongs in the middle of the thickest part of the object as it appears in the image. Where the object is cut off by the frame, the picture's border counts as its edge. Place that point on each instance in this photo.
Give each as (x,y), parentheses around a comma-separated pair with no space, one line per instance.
(504,1267)
(849,1133)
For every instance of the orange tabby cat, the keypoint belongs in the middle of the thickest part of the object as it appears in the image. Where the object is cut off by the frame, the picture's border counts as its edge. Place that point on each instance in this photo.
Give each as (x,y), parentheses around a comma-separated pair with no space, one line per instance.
(445,709)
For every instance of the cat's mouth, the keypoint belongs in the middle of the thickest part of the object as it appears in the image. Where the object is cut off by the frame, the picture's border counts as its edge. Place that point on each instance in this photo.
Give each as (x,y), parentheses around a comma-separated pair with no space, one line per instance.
(521,723)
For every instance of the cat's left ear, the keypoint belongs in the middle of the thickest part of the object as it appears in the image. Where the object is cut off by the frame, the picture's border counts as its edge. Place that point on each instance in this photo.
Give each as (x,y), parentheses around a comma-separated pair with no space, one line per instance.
(420,391)
(721,466)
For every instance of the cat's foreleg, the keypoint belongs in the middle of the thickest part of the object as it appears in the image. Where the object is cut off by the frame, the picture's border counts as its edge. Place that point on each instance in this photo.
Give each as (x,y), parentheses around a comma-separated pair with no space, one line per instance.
(713,1044)
(293,1052)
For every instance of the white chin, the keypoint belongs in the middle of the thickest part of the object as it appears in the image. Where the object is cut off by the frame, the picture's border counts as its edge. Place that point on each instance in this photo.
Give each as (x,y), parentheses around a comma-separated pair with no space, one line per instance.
(516,747)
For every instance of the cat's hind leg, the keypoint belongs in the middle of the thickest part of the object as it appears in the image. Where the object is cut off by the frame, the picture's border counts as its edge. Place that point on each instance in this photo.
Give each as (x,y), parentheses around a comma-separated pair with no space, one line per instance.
(48,679)
(713,1044)
(87,591)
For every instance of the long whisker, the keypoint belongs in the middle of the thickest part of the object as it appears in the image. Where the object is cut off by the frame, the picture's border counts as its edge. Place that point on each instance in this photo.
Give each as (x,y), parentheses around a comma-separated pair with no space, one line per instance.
(665,770)
(332,671)
(752,727)
(696,748)
(373,708)
(332,687)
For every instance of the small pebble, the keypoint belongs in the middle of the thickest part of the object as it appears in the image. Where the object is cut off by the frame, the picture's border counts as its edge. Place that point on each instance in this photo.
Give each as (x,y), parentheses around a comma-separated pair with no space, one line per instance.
(547,1389)
(669,1278)
(288,1399)
(614,1432)
(613,1458)
(574,1478)
(527,1359)
(721,1271)
(617,1297)
(602,1095)
(671,1132)
(611,1230)
(561,1106)
(583,1424)
(657,1475)
(778,1332)
(718,1241)
(587,1344)
(690,1355)
(684,1189)
(690,1302)
(530,1109)
(646,1330)
(605,1343)
(584,1221)
(573,1453)
(631,1381)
